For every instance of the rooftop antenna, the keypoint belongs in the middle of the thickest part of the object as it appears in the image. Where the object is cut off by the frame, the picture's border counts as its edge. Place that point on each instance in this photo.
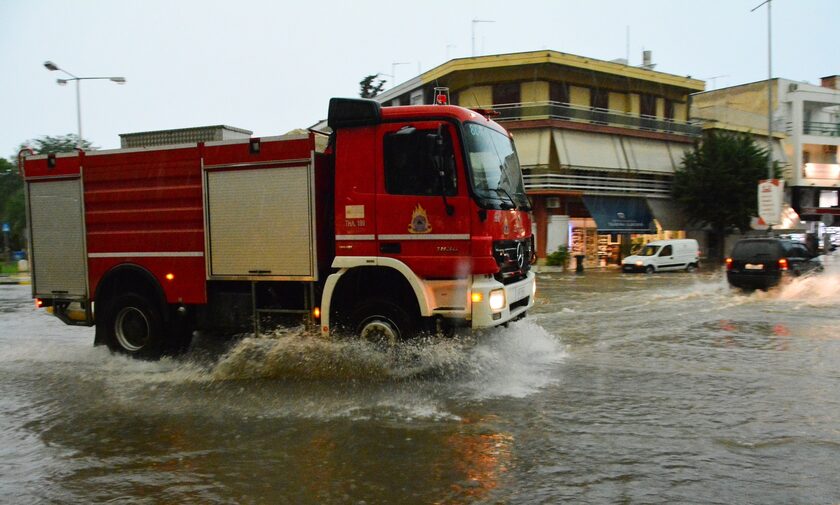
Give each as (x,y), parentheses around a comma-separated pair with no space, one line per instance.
(475,22)
(394,70)
(714,79)
(447,50)
(628,46)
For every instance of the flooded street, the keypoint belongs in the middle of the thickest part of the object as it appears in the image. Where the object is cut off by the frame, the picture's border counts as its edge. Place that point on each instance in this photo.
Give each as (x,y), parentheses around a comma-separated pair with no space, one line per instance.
(667,388)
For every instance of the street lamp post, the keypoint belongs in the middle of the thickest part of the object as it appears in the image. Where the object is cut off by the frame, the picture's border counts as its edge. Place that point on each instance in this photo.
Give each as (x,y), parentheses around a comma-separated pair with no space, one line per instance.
(62,82)
(770,173)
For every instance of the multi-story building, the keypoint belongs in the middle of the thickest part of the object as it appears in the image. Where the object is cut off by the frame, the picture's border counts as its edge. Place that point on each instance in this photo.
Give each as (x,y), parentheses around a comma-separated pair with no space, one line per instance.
(805,137)
(598,141)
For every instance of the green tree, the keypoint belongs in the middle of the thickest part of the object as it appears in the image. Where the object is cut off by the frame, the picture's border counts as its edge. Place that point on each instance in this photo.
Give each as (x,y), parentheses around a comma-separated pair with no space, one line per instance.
(716,184)
(59,144)
(11,203)
(369,87)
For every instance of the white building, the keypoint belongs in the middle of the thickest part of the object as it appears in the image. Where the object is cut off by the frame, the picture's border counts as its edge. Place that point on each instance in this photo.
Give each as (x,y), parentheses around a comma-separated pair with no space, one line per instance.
(806,133)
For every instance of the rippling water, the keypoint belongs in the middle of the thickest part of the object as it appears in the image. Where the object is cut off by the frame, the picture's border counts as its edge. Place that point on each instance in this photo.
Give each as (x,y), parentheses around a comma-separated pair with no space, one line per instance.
(619,388)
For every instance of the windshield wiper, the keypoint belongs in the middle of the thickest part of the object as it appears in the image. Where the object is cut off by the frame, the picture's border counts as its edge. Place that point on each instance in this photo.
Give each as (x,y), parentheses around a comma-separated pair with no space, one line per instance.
(512,201)
(505,176)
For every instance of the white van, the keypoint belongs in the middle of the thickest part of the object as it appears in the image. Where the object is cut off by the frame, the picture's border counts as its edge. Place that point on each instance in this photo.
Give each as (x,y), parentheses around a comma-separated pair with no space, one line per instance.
(660,255)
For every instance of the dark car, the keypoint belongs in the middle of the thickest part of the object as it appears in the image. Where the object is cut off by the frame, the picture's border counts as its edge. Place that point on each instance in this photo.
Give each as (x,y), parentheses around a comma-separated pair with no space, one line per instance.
(761,263)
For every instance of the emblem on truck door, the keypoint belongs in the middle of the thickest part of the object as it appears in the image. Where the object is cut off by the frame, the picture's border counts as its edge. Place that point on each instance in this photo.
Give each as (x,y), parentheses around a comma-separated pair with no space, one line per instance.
(419,221)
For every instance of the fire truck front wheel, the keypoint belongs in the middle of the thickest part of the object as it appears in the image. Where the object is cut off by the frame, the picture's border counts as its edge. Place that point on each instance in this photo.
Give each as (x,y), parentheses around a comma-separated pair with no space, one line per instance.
(133,326)
(382,322)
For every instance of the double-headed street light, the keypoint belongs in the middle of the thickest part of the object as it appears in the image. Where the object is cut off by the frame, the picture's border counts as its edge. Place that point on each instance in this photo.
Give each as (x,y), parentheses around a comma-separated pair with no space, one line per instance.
(52,67)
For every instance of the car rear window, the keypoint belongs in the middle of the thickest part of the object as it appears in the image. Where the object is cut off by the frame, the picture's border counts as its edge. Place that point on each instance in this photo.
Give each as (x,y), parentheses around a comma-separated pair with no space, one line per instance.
(757,248)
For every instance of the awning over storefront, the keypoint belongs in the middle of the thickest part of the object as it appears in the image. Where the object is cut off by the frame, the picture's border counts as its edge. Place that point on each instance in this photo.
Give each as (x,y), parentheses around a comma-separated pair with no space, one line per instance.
(678,151)
(532,146)
(668,213)
(586,150)
(620,214)
(647,155)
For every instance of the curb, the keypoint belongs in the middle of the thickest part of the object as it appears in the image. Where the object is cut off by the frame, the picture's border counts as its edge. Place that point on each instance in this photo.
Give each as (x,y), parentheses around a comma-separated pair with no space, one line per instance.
(15,280)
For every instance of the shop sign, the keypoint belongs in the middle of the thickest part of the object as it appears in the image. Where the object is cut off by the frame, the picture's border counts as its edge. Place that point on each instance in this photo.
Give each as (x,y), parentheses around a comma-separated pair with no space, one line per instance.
(770,195)
(822,171)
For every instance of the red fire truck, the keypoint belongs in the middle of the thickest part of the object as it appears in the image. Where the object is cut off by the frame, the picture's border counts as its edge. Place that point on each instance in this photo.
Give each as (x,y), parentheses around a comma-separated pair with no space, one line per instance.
(402,220)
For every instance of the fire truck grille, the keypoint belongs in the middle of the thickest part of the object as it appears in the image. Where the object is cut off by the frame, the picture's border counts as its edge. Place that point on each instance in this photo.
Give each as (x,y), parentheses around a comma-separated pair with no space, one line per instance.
(514,259)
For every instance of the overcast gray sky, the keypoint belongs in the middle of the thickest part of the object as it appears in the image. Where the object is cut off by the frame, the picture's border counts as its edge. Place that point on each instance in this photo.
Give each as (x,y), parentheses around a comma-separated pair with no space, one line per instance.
(272,66)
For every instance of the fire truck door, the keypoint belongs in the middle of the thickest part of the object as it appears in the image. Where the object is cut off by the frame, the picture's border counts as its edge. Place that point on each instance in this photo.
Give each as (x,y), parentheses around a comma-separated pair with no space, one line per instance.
(59,265)
(413,223)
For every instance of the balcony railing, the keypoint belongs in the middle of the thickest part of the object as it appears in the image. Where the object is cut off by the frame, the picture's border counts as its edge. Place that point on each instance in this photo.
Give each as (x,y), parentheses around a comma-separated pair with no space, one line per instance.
(595,184)
(575,113)
(819,128)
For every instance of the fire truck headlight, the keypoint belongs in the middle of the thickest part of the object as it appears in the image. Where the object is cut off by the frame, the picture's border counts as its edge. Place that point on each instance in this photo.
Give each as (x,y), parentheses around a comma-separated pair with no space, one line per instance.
(497,299)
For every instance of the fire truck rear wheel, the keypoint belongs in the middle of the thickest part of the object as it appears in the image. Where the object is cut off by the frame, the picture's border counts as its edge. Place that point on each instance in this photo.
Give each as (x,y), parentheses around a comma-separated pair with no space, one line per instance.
(134,327)
(382,323)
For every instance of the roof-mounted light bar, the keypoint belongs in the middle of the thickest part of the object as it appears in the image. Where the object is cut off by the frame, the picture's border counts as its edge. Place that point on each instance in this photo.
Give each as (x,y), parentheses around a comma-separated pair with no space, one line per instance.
(441,96)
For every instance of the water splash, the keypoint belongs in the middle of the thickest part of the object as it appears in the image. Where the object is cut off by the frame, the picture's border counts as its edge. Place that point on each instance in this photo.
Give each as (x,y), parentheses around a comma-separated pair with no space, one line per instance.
(512,361)
(819,290)
(300,355)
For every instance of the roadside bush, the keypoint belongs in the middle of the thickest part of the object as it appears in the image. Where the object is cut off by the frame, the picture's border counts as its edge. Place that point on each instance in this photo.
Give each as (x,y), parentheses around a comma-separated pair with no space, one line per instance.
(559,258)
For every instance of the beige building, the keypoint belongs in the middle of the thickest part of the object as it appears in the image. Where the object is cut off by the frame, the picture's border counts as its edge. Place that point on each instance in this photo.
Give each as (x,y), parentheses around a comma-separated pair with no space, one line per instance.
(598,141)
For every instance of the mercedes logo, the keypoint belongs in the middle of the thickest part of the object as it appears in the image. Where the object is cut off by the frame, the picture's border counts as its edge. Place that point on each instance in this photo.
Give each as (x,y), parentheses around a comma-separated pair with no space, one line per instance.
(520,255)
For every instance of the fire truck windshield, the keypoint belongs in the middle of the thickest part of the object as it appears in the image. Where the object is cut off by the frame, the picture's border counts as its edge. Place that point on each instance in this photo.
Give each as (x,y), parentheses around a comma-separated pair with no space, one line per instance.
(494,168)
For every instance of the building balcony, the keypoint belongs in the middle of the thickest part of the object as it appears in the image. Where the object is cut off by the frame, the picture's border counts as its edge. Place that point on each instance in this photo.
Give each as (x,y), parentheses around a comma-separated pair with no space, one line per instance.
(598,184)
(818,128)
(578,114)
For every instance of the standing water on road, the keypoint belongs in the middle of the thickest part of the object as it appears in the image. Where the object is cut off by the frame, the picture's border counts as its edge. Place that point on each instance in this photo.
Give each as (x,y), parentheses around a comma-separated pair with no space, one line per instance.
(666,388)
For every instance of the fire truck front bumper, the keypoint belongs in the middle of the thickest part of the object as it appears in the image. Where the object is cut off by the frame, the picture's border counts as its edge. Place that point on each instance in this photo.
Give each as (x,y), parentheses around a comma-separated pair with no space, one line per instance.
(494,303)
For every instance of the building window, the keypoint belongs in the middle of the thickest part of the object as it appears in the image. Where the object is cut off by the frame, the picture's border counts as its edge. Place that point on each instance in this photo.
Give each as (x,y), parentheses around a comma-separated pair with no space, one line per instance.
(647,105)
(669,110)
(409,167)
(506,93)
(559,92)
(600,99)
(417,97)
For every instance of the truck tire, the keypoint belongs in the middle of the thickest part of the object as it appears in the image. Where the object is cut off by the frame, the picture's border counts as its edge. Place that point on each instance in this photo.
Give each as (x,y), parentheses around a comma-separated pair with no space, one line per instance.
(382,322)
(134,326)
(649,269)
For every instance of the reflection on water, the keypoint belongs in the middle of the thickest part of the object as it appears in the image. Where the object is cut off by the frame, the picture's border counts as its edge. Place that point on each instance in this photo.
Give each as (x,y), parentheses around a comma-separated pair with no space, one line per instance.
(665,388)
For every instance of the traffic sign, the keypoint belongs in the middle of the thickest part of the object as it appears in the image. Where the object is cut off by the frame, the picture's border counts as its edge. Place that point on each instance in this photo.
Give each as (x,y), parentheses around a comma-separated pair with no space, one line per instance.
(6,228)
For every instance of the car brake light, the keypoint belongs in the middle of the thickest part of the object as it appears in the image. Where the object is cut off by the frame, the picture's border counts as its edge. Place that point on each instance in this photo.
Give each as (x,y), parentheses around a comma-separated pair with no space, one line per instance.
(729,263)
(783,264)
